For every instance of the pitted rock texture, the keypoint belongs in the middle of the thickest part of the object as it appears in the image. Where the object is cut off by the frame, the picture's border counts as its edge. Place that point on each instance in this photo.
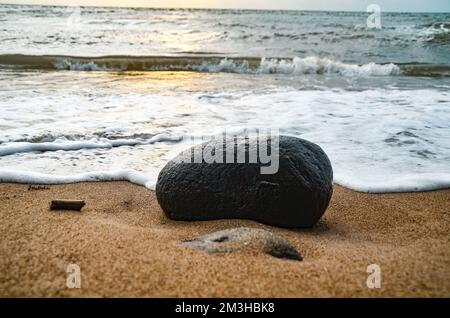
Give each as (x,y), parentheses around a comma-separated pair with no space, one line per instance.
(296,196)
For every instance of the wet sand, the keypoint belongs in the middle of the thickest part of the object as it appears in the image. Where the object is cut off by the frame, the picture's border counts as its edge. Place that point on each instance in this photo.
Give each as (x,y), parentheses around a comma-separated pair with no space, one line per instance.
(125,246)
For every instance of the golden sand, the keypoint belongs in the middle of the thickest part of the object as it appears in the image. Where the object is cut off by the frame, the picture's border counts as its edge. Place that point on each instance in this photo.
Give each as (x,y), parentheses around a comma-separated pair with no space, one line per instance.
(125,246)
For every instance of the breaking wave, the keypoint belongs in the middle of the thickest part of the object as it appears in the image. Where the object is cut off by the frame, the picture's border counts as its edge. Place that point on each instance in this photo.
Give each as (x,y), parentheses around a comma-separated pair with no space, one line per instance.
(211,64)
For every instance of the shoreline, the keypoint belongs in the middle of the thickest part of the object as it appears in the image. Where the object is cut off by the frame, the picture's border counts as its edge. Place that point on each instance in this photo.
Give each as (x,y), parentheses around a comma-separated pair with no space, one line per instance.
(125,246)
(396,186)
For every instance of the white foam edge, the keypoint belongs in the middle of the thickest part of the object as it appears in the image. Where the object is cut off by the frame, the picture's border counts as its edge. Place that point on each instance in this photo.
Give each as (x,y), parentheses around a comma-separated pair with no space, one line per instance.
(420,182)
(28,177)
(407,183)
(70,145)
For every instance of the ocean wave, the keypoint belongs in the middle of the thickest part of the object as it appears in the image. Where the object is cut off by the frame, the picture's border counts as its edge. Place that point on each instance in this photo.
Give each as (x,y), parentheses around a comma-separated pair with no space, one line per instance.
(211,64)
(72,145)
(67,64)
(314,65)
(439,38)
(435,33)
(425,70)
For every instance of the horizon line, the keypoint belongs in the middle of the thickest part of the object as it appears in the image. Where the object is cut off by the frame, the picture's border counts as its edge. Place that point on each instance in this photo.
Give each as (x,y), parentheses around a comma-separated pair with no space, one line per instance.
(203,8)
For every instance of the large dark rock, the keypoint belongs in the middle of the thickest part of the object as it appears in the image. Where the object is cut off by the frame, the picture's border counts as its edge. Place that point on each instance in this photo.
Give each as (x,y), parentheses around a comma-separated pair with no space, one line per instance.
(295,196)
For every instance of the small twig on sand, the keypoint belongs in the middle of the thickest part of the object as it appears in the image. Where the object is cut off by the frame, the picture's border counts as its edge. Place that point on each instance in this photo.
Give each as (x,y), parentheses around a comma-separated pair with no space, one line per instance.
(67,205)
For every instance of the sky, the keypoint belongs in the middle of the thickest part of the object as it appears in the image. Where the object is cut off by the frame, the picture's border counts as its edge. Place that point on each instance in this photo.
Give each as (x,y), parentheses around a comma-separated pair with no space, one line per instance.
(343,5)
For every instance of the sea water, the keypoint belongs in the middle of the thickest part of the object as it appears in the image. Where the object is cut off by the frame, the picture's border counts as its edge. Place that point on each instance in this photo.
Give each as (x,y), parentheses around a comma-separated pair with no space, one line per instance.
(91,94)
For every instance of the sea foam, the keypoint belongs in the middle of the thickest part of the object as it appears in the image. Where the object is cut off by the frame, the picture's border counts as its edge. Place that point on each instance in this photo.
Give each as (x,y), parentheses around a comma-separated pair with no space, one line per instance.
(315,65)
(71,145)
(29,177)
(407,183)
(396,184)
(378,138)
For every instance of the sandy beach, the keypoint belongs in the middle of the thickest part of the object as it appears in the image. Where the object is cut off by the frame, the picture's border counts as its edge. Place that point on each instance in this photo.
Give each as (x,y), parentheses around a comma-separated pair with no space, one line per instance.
(125,246)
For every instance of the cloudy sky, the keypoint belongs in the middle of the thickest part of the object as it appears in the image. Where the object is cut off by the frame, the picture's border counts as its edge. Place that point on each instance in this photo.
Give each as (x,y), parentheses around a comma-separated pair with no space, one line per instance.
(345,5)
